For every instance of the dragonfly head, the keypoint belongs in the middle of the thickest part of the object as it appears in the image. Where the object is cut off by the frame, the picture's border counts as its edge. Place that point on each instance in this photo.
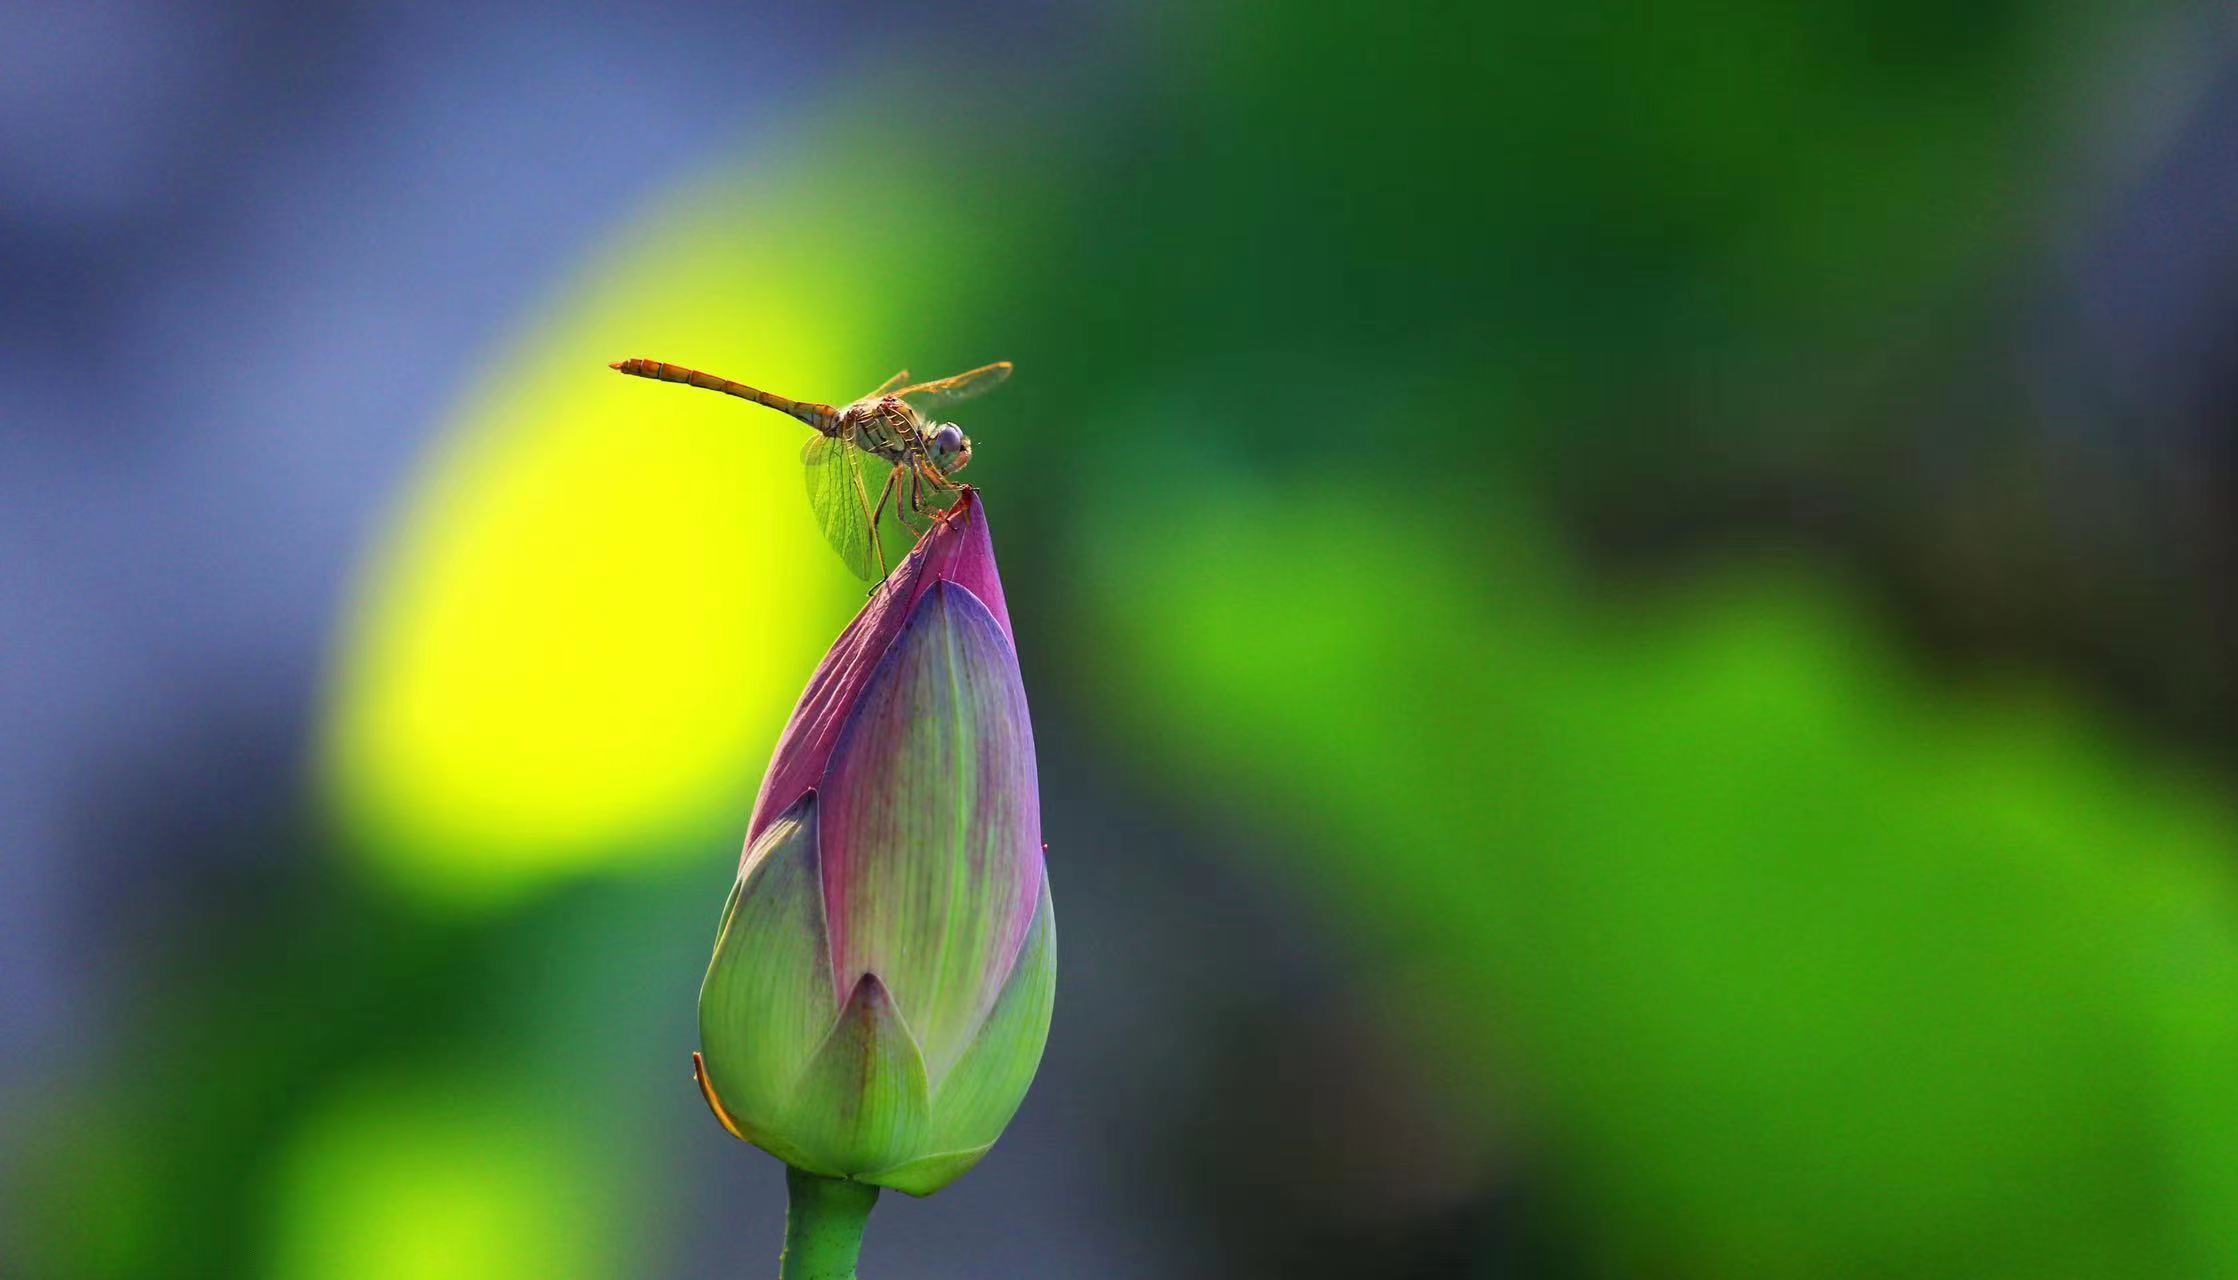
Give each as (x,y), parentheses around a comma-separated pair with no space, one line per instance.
(950,448)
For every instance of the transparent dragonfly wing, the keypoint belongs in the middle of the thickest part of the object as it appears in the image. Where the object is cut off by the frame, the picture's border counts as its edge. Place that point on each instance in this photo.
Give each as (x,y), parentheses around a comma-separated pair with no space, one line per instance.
(843,487)
(929,397)
(888,385)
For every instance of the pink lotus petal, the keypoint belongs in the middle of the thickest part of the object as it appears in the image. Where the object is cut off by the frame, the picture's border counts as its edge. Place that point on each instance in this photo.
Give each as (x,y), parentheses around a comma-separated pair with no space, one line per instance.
(956,550)
(930,823)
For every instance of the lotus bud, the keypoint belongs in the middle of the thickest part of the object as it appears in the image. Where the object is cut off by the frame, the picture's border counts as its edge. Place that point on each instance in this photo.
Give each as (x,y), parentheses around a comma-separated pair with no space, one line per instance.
(882,979)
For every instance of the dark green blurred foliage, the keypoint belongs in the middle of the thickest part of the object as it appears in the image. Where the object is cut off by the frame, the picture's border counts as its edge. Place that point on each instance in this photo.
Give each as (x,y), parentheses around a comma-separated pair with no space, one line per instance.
(1805,965)
(1804,962)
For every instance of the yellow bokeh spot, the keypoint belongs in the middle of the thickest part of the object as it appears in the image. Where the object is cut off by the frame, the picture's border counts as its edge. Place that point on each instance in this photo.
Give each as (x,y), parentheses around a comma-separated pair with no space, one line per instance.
(413,1182)
(605,593)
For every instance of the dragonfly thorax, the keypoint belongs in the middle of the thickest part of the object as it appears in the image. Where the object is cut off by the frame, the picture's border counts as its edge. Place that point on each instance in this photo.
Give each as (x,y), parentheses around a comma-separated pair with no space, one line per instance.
(892,429)
(886,427)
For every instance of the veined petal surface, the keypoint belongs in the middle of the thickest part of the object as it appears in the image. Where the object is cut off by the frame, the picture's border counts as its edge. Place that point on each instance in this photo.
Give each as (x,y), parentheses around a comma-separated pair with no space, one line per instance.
(930,830)
(957,550)
(768,999)
(975,1102)
(863,1102)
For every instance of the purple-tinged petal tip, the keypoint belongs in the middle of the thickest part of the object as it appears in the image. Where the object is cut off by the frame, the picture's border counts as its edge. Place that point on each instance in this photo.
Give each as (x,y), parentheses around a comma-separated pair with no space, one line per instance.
(956,549)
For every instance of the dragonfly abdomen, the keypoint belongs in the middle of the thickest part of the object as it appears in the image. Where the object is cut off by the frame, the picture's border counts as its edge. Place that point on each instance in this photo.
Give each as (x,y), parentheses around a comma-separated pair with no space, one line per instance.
(819,416)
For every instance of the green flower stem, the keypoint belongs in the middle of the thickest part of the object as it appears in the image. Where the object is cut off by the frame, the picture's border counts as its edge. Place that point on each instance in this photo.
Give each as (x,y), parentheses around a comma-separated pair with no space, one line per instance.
(824,1226)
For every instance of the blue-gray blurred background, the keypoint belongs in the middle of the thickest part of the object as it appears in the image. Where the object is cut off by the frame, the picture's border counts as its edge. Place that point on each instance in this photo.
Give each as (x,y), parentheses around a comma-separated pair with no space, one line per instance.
(1629,612)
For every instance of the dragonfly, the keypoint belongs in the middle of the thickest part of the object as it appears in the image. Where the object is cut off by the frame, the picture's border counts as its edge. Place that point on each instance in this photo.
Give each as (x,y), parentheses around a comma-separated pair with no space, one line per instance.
(888,443)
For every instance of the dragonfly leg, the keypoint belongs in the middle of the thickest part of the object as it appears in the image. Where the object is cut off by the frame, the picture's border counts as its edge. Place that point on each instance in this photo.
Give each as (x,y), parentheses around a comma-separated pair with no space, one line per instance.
(941,515)
(916,530)
(904,510)
(903,506)
(879,514)
(931,476)
(923,478)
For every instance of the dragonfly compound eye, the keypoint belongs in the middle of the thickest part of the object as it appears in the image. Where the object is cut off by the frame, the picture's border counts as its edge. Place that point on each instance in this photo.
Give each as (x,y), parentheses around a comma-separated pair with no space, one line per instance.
(949,439)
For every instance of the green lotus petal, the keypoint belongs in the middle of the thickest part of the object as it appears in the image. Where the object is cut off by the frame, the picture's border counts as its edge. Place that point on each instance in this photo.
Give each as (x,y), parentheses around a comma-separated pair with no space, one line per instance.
(983,1090)
(767,1001)
(923,1176)
(863,1103)
(975,1103)
(931,828)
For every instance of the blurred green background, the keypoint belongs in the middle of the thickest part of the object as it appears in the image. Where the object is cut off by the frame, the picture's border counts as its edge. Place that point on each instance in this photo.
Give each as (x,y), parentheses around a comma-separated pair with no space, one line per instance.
(1629,613)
